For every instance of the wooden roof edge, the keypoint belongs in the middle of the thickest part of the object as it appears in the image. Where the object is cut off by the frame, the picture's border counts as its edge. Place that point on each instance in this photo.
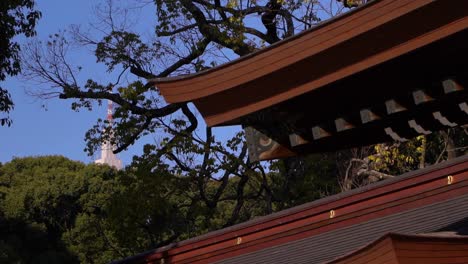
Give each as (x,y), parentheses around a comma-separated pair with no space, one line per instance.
(336,197)
(236,230)
(320,25)
(401,237)
(218,115)
(362,249)
(214,81)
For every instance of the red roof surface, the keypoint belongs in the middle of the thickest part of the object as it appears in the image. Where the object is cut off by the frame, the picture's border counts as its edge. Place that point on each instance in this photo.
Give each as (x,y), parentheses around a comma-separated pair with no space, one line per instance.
(424,201)
(410,249)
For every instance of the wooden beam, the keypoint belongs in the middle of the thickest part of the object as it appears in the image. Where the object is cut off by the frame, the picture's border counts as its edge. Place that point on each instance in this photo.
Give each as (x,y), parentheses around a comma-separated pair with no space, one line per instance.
(418,128)
(368,116)
(342,124)
(319,132)
(464,107)
(443,120)
(297,140)
(394,107)
(389,131)
(263,147)
(421,96)
(451,86)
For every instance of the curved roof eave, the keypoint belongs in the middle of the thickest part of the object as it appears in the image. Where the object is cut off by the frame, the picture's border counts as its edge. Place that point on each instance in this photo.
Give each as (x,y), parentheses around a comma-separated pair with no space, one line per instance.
(162,82)
(257,52)
(339,48)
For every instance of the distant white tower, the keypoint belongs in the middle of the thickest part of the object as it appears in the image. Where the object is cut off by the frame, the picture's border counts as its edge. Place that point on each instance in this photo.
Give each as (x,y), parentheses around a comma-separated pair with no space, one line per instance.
(107,156)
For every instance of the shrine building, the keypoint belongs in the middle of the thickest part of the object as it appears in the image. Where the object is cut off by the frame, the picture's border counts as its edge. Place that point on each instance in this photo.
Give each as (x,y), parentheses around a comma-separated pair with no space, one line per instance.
(389,70)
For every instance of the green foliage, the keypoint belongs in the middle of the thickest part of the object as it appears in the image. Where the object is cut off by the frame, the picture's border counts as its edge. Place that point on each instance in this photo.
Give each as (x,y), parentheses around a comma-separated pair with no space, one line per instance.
(94,214)
(17,17)
(91,213)
(23,242)
(396,159)
(318,180)
(121,47)
(45,196)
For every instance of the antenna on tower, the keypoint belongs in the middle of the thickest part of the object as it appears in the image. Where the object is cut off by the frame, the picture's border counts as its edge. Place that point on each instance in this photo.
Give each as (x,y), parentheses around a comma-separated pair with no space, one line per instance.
(107,155)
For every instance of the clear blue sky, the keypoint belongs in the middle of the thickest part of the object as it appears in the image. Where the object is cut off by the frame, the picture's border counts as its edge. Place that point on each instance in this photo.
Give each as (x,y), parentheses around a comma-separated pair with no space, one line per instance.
(50,127)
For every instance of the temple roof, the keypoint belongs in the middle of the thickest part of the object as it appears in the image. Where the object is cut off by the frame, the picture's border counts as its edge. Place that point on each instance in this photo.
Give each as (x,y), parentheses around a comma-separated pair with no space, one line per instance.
(345,46)
(389,70)
(430,200)
(412,249)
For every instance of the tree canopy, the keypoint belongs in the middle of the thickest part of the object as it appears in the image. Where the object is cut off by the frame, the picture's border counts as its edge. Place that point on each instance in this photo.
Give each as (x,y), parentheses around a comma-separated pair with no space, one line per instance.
(17,17)
(54,210)
(189,36)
